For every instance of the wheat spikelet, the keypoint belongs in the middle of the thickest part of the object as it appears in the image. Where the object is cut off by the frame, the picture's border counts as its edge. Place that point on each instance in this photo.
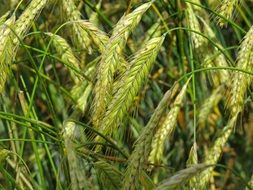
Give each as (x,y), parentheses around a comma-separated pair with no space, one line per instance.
(130,84)
(215,152)
(220,60)
(82,100)
(153,31)
(110,61)
(6,50)
(99,37)
(193,156)
(24,22)
(143,144)
(226,9)
(4,17)
(64,50)
(192,160)
(4,153)
(198,40)
(241,81)
(93,18)
(209,57)
(208,104)
(200,43)
(166,128)
(80,35)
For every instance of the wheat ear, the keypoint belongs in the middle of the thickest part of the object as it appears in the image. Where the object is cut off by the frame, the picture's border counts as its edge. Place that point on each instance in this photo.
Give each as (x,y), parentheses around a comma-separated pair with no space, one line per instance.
(64,50)
(219,60)
(3,18)
(130,84)
(192,160)
(143,144)
(81,37)
(110,60)
(6,46)
(154,31)
(209,104)
(99,37)
(94,17)
(4,153)
(215,152)
(226,9)
(166,128)
(24,22)
(241,81)
(193,23)
(209,57)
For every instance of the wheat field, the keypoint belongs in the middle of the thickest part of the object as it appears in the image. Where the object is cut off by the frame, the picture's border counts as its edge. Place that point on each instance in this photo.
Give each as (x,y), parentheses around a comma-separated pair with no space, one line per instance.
(126,94)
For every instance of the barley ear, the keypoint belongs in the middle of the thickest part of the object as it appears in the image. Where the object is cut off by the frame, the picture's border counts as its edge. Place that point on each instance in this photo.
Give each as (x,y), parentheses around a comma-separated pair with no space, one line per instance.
(215,152)
(94,17)
(219,58)
(193,23)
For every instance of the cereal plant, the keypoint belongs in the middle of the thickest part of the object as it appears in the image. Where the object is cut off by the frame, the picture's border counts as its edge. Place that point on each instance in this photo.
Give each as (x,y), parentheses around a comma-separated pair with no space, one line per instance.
(126,94)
